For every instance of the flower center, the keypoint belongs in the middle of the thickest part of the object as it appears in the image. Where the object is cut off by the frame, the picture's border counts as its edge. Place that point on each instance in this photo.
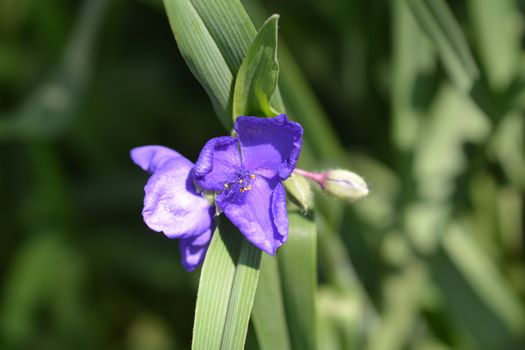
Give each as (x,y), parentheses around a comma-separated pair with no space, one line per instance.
(242,183)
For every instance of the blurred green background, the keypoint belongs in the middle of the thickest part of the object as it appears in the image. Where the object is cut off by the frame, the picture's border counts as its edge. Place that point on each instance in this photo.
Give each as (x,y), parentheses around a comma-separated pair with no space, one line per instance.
(432,259)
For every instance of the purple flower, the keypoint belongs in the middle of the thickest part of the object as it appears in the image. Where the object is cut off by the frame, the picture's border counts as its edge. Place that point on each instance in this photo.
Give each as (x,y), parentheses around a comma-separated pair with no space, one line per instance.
(246,173)
(172,204)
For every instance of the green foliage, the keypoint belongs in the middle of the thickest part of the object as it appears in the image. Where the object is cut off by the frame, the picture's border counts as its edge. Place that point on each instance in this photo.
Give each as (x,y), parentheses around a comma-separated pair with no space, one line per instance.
(257,77)
(431,116)
(226,290)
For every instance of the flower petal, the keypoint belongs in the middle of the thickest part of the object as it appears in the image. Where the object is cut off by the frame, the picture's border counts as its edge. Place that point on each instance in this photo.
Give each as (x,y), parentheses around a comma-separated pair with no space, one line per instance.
(270,143)
(280,216)
(259,213)
(194,249)
(150,158)
(172,204)
(217,163)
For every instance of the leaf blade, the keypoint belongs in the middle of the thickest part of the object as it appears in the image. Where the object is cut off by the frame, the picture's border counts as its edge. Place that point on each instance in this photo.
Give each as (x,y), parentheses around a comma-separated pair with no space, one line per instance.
(202,54)
(226,290)
(268,313)
(298,267)
(257,77)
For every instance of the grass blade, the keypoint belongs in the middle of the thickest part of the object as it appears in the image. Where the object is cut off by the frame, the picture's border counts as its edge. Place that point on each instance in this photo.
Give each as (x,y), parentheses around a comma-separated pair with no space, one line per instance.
(202,54)
(268,314)
(226,290)
(298,265)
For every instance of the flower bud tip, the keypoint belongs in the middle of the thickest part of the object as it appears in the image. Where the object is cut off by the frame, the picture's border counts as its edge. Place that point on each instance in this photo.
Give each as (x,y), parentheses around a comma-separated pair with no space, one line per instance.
(344,184)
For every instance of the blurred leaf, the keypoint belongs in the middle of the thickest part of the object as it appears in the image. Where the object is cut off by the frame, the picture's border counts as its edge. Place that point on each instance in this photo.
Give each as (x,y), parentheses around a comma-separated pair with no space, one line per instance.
(453,121)
(510,207)
(268,313)
(413,65)
(257,77)
(438,22)
(49,110)
(15,64)
(46,276)
(484,278)
(473,311)
(507,147)
(298,266)
(497,33)
(13,13)
(149,332)
(401,305)
(226,290)
(303,106)
(339,320)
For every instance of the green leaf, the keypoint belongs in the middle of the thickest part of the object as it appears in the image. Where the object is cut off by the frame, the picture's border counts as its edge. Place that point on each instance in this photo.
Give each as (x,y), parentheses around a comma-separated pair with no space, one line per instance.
(438,22)
(497,35)
(214,37)
(298,266)
(268,314)
(257,77)
(226,290)
(202,54)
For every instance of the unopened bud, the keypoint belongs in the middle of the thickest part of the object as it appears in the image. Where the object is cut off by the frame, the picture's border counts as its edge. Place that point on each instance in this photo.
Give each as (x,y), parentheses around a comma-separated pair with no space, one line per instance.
(344,184)
(341,183)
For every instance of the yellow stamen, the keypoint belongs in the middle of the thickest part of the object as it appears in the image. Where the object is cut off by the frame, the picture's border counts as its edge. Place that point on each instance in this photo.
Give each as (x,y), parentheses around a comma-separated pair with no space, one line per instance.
(240,181)
(244,189)
(226,186)
(252,176)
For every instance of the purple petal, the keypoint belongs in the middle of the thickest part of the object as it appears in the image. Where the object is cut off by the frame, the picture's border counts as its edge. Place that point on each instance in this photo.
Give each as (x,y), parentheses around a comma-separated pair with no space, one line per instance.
(150,158)
(217,163)
(259,213)
(270,143)
(172,204)
(280,216)
(194,249)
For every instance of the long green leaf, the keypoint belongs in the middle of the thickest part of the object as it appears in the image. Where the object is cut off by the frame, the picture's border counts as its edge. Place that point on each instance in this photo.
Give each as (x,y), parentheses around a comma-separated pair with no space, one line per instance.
(202,54)
(438,22)
(226,290)
(257,78)
(268,314)
(298,266)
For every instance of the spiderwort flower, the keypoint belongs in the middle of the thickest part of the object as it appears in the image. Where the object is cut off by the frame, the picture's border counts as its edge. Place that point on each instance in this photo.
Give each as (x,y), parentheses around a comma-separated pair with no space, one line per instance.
(244,172)
(247,172)
(172,204)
